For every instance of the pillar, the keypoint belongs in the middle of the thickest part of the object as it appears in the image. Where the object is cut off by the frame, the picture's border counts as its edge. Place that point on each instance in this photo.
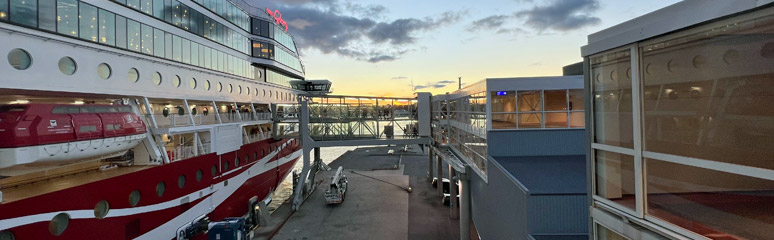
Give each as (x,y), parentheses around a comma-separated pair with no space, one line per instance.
(454,208)
(439,183)
(429,164)
(317,154)
(465,204)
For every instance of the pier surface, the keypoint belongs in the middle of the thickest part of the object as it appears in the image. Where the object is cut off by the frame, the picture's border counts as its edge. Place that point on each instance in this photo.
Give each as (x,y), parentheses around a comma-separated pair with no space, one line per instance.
(377,203)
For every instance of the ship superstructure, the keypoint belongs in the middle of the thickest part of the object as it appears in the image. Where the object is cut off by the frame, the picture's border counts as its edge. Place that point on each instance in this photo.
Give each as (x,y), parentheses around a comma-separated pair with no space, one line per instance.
(136,118)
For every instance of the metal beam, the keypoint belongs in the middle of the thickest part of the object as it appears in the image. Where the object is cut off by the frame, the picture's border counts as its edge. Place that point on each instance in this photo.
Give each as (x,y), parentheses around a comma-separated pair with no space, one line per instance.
(305,140)
(369,142)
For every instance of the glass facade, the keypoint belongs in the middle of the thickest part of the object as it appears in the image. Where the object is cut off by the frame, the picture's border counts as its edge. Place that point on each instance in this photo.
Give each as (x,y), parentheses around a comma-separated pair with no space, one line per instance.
(67,17)
(229,11)
(279,78)
(536,109)
(705,130)
(24,12)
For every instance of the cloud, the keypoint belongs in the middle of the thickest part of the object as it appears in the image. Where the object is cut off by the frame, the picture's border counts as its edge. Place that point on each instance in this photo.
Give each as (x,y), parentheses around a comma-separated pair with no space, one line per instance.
(488,23)
(436,85)
(417,87)
(446,82)
(399,78)
(561,15)
(329,27)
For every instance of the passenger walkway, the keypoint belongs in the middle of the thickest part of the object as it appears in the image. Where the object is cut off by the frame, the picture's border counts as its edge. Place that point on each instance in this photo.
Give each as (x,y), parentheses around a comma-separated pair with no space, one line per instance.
(372,209)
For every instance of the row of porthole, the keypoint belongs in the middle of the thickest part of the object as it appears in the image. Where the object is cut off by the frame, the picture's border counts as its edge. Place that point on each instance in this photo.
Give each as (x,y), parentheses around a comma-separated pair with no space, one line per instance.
(60,222)
(22,60)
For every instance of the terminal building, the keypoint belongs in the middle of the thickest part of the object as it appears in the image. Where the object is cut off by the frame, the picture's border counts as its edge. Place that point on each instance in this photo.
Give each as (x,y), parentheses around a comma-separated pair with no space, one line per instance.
(680,123)
(522,139)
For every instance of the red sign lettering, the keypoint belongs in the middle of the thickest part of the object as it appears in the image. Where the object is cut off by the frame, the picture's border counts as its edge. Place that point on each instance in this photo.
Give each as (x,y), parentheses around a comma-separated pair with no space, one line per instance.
(277,18)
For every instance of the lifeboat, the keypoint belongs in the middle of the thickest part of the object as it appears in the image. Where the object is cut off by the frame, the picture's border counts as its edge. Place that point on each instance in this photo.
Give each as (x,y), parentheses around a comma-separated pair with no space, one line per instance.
(59,133)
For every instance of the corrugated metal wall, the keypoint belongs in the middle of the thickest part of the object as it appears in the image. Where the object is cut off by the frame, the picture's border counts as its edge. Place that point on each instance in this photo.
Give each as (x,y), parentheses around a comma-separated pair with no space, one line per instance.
(499,208)
(557,214)
(536,142)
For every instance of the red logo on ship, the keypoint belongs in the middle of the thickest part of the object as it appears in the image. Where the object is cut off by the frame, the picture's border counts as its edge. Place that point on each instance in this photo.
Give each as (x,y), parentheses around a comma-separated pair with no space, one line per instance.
(277,18)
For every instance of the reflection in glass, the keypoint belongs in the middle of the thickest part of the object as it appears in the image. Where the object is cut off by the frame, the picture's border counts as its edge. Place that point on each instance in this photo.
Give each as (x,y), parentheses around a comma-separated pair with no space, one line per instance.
(503,101)
(107,27)
(556,120)
(121,32)
(577,120)
(531,120)
(708,202)
(721,110)
(46,15)
(576,100)
(529,101)
(556,100)
(4,10)
(133,35)
(19,59)
(147,39)
(615,177)
(612,98)
(24,12)
(133,75)
(158,43)
(67,17)
(504,121)
(67,66)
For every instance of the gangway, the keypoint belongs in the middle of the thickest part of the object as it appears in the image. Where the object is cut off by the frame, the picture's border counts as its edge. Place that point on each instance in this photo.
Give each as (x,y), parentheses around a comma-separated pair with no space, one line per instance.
(332,121)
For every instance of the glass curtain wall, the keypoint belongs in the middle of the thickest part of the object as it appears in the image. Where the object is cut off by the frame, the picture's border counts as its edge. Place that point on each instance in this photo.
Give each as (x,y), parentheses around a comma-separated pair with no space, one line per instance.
(537,109)
(706,130)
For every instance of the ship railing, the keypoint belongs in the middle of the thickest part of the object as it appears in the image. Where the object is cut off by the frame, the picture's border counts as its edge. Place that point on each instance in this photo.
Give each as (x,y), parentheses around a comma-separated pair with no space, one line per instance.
(229,117)
(257,137)
(187,151)
(183,120)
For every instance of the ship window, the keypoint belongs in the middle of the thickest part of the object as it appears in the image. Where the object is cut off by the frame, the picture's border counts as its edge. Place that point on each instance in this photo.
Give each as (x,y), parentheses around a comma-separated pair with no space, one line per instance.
(158,43)
(24,12)
(125,109)
(239,88)
(108,126)
(107,27)
(56,110)
(230,88)
(207,85)
(186,47)
(133,4)
(19,59)
(46,16)
(86,129)
(88,22)
(192,83)
(133,75)
(120,32)
(133,35)
(225,166)
(158,9)
(177,48)
(214,170)
(101,209)
(220,87)
(160,188)
(67,66)
(181,181)
(263,152)
(146,7)
(147,39)
(59,224)
(248,90)
(245,159)
(157,78)
(264,92)
(6,235)
(134,198)
(67,17)
(236,162)
(199,175)
(256,92)
(103,70)
(176,81)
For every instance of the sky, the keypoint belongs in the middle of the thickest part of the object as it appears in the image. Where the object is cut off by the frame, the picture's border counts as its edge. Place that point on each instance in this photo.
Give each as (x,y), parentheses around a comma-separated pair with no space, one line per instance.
(398,47)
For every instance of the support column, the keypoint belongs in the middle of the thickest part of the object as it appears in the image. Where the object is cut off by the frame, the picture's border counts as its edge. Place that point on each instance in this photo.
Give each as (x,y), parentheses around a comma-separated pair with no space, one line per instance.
(429,164)
(275,119)
(439,183)
(454,208)
(465,204)
(317,154)
(215,110)
(306,143)
(188,112)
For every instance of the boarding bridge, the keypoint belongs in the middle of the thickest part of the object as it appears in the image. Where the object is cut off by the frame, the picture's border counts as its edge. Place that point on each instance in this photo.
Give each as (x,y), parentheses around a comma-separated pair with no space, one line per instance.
(331,121)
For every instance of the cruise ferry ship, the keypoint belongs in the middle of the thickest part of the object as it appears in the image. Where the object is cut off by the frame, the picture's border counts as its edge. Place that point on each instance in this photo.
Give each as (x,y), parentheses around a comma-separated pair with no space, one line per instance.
(142,119)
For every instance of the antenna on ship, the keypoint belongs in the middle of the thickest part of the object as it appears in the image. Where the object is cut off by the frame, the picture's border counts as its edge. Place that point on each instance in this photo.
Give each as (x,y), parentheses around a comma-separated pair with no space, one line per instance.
(460,82)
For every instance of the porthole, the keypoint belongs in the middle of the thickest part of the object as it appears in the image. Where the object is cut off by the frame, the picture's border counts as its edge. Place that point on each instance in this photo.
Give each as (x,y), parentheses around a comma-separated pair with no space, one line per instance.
(248,90)
(225,166)
(176,81)
(199,175)
(731,56)
(19,59)
(104,71)
(58,224)
(255,155)
(181,181)
(194,111)
(256,92)
(6,235)
(276,95)
(699,61)
(269,94)
(239,89)
(207,85)
(230,88)
(67,66)
(672,66)
(263,152)
(214,170)
(236,162)
(264,92)
(244,160)
(133,75)
(134,198)
(192,83)
(101,209)
(157,78)
(160,188)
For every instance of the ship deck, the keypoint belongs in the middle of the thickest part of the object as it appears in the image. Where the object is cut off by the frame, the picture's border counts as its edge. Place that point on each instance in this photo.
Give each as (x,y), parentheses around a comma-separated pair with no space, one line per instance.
(46,181)
(376,205)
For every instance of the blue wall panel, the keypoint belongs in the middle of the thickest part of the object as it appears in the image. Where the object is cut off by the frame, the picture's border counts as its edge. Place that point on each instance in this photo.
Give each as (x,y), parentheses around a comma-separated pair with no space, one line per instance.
(536,142)
(557,214)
